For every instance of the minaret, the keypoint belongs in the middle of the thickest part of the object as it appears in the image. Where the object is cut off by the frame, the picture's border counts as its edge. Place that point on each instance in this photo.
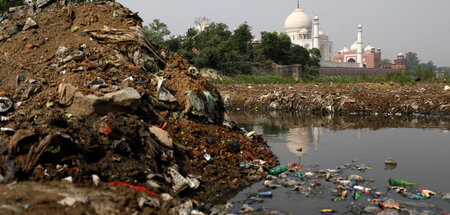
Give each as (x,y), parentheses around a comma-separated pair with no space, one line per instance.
(359,43)
(316,33)
(298,3)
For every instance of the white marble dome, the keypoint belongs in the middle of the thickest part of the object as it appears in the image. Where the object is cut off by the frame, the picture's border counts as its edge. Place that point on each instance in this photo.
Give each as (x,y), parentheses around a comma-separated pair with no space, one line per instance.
(368,48)
(354,46)
(297,20)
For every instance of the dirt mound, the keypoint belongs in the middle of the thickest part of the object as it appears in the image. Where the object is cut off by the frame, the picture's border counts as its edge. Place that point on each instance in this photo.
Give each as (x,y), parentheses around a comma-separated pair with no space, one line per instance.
(85,94)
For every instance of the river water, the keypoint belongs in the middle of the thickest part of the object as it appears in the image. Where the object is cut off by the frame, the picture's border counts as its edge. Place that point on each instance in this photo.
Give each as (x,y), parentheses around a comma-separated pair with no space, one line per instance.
(419,144)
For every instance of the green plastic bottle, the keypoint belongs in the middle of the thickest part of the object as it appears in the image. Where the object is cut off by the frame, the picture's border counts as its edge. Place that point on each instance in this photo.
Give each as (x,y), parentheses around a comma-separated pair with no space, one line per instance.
(395,182)
(277,170)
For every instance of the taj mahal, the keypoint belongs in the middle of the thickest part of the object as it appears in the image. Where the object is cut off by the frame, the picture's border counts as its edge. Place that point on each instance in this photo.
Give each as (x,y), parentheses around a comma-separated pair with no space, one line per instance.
(302,31)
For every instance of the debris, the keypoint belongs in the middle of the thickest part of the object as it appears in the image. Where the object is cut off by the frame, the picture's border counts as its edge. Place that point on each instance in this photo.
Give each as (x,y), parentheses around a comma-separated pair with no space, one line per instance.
(246,208)
(137,188)
(30,23)
(106,130)
(390,163)
(395,182)
(162,136)
(446,88)
(178,181)
(162,94)
(95,179)
(327,211)
(427,193)
(265,194)
(68,179)
(277,170)
(5,104)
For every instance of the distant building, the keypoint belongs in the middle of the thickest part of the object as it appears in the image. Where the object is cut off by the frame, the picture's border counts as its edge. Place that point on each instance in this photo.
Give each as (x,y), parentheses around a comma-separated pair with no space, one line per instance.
(399,63)
(303,32)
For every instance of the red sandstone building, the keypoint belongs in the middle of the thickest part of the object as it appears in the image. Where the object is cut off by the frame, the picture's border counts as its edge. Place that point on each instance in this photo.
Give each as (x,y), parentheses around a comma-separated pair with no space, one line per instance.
(371,58)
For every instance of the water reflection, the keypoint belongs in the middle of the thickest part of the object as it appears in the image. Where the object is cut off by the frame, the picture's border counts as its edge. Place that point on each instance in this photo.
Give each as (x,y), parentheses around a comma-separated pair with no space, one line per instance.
(302,131)
(283,121)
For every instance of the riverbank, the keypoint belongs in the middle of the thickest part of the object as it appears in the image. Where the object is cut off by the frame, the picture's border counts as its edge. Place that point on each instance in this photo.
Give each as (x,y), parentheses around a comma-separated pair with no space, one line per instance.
(362,98)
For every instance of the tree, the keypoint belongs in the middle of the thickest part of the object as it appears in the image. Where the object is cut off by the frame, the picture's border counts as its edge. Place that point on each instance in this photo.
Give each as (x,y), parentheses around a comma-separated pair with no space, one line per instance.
(315,57)
(412,62)
(275,46)
(428,66)
(156,31)
(386,61)
(6,4)
(242,37)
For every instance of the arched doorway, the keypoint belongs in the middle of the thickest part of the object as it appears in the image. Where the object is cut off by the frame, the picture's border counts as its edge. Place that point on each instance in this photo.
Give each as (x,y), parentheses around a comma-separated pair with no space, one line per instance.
(351,60)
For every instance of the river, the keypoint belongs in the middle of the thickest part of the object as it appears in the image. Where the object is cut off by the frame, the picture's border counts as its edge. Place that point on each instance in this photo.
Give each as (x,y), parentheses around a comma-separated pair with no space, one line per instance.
(419,144)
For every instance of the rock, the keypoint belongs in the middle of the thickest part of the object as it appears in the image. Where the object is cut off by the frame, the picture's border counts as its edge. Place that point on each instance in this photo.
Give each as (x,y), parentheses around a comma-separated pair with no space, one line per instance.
(29,24)
(388,212)
(162,136)
(126,100)
(372,209)
(66,92)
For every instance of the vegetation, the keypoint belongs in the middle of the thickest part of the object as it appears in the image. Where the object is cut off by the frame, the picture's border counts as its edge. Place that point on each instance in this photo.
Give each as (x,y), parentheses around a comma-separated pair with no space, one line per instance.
(397,77)
(213,45)
(5,4)
(156,31)
(256,79)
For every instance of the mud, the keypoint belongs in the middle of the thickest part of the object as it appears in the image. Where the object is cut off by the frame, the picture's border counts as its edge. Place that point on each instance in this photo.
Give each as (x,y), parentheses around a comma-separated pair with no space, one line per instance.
(87,86)
(363,98)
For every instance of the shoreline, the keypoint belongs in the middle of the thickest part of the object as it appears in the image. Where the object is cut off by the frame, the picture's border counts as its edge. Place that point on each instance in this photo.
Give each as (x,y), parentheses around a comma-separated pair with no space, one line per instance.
(361,98)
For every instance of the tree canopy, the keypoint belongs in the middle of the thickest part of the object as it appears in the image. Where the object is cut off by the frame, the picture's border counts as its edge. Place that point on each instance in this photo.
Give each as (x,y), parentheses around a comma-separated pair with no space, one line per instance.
(156,31)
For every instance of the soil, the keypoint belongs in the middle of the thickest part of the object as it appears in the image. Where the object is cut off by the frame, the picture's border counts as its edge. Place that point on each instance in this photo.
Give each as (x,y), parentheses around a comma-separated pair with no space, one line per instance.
(362,98)
(63,76)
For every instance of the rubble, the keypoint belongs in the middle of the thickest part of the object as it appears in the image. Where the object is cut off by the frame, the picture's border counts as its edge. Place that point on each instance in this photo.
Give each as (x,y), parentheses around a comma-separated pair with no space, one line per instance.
(361,98)
(85,97)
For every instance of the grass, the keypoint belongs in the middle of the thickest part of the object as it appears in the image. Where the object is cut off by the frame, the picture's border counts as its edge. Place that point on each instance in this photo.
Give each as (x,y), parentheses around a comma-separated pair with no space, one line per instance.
(399,77)
(256,79)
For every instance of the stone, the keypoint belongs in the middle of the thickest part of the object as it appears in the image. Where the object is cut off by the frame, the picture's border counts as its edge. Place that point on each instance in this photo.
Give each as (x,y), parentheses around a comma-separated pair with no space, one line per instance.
(126,100)
(372,209)
(162,136)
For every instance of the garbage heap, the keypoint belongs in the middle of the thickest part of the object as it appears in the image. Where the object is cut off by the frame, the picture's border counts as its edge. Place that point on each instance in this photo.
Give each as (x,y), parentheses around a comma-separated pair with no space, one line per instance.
(85,95)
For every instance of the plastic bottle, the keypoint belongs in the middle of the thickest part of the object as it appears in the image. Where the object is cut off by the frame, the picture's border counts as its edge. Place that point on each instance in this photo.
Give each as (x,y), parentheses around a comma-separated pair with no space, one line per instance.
(362,189)
(265,194)
(277,170)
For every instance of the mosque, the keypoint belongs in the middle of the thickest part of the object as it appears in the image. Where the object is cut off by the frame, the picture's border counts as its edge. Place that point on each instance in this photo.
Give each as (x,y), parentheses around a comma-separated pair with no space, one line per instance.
(305,32)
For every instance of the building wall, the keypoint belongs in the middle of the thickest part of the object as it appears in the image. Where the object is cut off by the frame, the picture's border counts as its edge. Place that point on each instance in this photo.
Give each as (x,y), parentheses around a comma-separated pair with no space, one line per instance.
(355,71)
(294,70)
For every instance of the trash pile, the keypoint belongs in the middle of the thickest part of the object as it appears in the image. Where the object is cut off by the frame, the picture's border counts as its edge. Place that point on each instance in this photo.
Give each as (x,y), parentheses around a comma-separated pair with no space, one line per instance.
(86,98)
(365,98)
(345,185)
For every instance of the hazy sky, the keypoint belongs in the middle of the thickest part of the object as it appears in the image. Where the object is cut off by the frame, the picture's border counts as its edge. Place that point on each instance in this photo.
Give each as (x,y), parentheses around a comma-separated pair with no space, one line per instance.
(421,26)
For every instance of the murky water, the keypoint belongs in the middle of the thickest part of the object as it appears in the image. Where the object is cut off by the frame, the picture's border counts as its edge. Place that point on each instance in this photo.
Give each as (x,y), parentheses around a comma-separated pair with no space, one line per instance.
(421,146)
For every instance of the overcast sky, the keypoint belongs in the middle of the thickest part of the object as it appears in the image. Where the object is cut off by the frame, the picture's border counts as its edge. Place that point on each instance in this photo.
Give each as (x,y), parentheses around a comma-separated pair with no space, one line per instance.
(421,26)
